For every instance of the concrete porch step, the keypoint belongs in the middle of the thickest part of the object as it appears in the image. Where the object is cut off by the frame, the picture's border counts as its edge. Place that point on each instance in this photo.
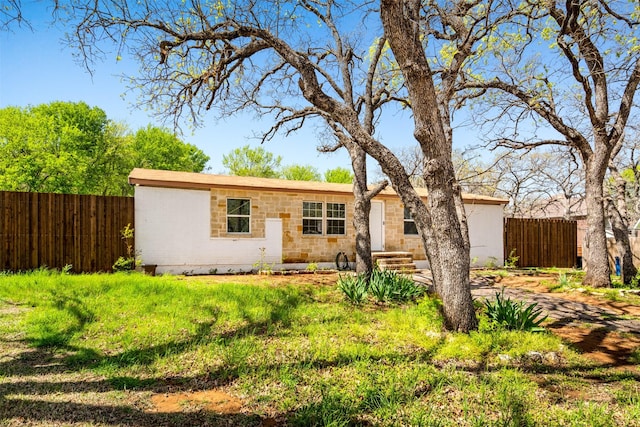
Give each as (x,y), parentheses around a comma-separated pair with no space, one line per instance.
(399,261)
(392,261)
(400,268)
(392,254)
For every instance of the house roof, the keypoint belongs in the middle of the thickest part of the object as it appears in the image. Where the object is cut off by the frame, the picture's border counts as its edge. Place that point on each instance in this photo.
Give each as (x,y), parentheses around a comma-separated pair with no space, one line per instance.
(558,207)
(202,181)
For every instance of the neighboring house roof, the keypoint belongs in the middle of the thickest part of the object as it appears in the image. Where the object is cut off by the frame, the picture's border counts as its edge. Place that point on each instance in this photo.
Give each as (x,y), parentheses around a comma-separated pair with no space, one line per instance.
(558,207)
(202,181)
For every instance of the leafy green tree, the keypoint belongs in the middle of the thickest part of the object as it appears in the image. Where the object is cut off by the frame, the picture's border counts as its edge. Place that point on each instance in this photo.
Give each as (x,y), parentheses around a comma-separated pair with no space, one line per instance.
(66,147)
(247,161)
(301,173)
(158,148)
(339,175)
(55,147)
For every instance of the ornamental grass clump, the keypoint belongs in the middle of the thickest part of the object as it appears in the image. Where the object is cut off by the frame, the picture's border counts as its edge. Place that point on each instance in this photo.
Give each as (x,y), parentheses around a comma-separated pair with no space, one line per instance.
(405,289)
(514,315)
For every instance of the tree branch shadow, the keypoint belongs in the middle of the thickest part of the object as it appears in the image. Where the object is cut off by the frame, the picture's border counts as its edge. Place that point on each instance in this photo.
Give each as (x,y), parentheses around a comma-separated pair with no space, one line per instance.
(17,395)
(57,357)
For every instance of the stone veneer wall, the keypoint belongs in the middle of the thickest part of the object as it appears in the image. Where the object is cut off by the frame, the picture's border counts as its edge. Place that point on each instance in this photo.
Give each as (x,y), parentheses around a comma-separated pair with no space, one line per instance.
(297,247)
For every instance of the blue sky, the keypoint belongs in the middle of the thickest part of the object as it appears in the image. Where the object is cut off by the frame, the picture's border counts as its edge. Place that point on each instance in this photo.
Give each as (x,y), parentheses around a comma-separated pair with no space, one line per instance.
(36,67)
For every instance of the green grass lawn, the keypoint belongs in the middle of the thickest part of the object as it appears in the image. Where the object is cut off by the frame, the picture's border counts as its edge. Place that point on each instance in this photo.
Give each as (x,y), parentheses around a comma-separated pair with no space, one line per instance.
(296,354)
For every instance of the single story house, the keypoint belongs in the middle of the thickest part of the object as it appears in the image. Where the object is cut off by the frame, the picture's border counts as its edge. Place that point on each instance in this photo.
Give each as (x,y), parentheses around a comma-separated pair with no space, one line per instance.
(202,223)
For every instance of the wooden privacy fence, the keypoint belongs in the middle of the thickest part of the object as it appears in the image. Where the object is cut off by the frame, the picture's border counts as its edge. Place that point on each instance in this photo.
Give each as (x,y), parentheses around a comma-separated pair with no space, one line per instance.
(55,230)
(541,242)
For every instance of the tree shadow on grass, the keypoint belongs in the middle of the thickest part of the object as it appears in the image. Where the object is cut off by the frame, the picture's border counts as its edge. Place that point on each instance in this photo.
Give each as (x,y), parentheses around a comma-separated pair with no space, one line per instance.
(45,412)
(567,320)
(51,359)
(278,318)
(29,408)
(328,408)
(42,361)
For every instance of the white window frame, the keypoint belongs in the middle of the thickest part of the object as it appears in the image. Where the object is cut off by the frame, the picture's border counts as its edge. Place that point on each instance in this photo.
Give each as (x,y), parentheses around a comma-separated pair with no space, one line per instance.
(316,219)
(324,219)
(408,219)
(234,215)
(336,219)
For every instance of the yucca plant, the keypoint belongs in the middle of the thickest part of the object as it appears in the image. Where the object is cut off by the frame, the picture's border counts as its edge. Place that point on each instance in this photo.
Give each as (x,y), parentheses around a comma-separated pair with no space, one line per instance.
(405,289)
(514,315)
(383,285)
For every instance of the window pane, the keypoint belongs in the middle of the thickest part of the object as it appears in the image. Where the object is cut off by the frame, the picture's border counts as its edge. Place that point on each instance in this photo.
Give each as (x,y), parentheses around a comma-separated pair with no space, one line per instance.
(311,226)
(409,223)
(312,209)
(410,227)
(238,216)
(238,207)
(238,224)
(335,226)
(335,210)
(407,214)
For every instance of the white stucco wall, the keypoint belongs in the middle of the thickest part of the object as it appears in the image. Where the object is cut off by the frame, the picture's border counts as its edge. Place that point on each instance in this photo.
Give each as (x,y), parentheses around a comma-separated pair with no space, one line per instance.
(172,230)
(486,234)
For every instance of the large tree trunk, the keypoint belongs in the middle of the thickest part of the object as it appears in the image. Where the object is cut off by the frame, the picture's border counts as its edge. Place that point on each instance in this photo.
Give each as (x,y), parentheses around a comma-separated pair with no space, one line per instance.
(362,209)
(598,272)
(454,262)
(438,221)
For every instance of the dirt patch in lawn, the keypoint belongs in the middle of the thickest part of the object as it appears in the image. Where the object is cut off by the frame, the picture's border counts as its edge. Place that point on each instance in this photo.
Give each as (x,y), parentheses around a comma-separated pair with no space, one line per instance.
(215,401)
(210,400)
(600,345)
(290,278)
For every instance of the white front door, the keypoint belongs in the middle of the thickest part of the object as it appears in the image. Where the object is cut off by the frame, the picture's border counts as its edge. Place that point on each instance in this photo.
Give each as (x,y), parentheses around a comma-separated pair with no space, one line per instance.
(376,226)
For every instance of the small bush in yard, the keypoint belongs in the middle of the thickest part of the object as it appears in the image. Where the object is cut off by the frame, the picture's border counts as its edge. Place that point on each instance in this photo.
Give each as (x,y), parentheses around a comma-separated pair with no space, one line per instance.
(394,287)
(130,262)
(514,315)
(384,286)
(124,264)
(563,280)
(380,286)
(354,288)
